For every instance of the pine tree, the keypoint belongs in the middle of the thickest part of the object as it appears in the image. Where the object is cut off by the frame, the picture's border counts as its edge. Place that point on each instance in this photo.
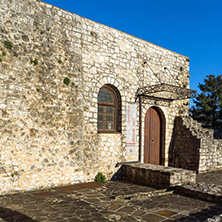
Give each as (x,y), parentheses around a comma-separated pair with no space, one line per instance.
(208,104)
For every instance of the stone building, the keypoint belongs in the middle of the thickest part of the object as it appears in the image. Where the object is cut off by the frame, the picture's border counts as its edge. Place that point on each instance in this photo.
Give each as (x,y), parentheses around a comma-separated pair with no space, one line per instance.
(78,97)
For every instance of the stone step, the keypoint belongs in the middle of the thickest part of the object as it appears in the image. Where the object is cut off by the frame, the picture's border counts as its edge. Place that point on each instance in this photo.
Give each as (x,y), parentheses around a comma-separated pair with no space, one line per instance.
(202,191)
(157,176)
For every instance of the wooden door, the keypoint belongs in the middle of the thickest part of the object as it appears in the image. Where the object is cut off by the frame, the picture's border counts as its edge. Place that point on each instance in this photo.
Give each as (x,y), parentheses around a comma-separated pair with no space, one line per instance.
(152,132)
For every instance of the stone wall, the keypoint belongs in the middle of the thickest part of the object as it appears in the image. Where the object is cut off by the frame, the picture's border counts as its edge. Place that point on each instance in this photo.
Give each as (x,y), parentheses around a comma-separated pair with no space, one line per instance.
(185,150)
(194,147)
(49,81)
(41,118)
(157,176)
(210,155)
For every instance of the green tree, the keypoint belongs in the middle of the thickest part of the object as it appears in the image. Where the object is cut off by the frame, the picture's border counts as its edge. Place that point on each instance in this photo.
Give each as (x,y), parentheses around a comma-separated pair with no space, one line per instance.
(208,104)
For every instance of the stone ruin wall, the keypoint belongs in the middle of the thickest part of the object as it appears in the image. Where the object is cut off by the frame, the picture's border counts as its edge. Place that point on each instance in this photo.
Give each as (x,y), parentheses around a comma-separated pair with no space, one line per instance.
(48,130)
(210,155)
(194,147)
(185,152)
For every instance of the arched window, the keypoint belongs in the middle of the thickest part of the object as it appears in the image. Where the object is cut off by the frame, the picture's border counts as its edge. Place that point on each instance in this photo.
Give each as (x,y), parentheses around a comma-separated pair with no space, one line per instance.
(109,109)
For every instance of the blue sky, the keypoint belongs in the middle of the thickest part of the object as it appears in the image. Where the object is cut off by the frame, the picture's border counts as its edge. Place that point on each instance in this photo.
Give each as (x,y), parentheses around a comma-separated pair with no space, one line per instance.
(192,28)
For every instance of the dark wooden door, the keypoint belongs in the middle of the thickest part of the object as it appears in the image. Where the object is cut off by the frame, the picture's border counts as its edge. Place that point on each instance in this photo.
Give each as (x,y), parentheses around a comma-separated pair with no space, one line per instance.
(152,137)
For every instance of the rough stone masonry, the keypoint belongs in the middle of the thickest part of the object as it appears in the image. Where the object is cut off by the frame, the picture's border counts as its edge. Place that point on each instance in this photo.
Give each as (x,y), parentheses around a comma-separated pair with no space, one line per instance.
(52,66)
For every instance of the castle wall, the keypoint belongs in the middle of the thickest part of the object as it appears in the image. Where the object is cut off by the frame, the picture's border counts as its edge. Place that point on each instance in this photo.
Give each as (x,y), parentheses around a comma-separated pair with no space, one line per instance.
(49,82)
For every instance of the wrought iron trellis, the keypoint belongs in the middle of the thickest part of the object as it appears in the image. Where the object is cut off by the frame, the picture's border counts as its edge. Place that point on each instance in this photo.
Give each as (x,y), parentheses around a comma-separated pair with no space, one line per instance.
(165,91)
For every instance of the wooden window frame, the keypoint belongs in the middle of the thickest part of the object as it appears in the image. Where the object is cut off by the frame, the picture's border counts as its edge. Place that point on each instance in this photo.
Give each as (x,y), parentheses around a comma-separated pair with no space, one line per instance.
(116,105)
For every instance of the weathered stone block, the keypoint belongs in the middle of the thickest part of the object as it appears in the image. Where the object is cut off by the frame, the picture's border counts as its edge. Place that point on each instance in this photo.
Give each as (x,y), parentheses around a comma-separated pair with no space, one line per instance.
(157,176)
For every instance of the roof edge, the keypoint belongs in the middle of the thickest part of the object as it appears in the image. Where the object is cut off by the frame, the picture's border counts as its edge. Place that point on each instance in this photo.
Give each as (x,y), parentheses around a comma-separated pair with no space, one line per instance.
(186,57)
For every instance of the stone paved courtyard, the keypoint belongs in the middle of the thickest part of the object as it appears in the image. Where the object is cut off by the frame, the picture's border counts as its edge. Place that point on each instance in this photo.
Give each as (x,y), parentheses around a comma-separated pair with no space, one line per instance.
(107,202)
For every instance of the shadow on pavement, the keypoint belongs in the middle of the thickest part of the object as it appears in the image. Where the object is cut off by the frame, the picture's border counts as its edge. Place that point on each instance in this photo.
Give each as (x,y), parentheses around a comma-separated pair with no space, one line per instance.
(210,212)
(12,216)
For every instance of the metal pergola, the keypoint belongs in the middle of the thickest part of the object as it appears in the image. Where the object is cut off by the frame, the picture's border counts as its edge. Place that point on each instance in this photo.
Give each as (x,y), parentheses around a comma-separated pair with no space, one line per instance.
(165,91)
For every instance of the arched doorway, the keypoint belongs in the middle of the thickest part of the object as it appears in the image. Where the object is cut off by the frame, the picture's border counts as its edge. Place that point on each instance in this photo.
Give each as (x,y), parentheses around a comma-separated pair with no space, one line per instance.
(154,133)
